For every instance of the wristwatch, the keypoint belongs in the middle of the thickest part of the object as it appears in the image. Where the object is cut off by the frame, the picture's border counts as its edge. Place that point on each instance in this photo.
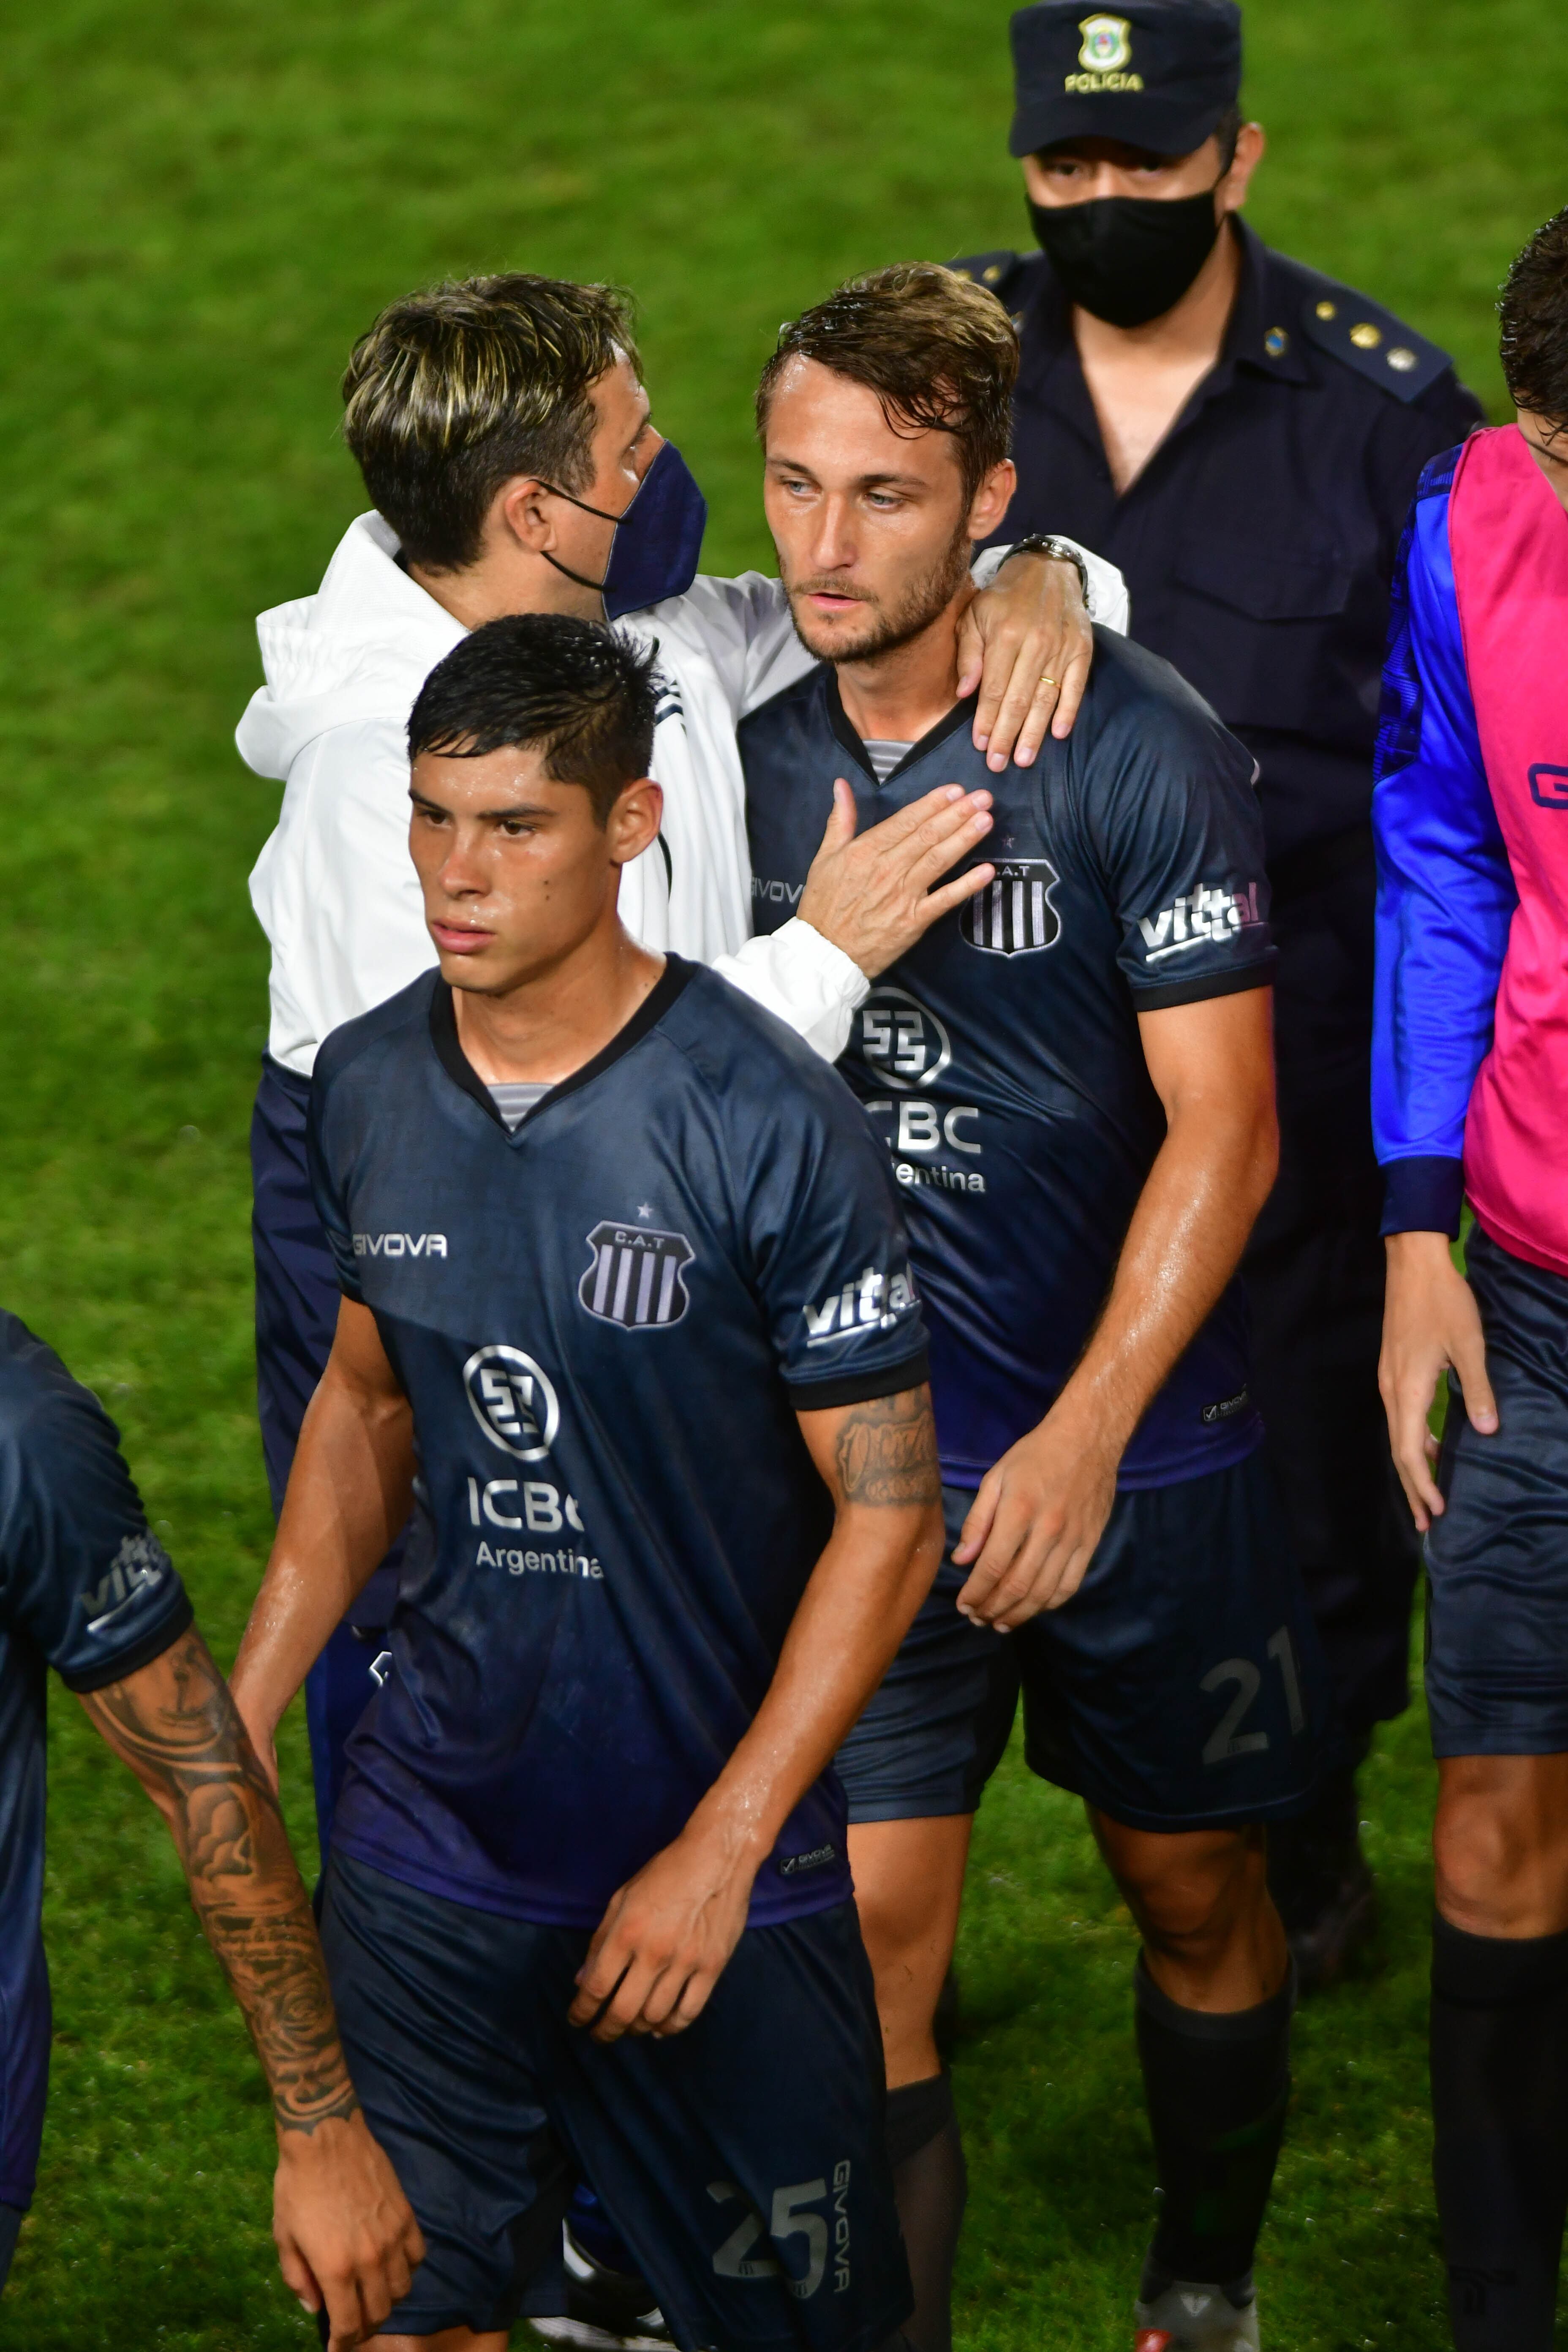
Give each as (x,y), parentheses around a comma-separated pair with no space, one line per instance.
(1061,551)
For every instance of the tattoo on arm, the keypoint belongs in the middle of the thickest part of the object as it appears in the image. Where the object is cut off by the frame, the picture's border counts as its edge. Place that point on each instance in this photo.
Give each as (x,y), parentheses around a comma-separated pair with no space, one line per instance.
(886,1452)
(176,1725)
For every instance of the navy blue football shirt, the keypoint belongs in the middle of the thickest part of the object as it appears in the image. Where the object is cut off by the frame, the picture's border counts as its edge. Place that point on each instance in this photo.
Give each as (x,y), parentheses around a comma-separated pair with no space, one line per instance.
(1001,1059)
(86,1588)
(606,1320)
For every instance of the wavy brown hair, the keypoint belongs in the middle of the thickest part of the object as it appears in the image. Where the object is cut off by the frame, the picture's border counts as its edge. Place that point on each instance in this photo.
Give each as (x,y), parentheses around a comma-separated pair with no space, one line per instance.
(937,350)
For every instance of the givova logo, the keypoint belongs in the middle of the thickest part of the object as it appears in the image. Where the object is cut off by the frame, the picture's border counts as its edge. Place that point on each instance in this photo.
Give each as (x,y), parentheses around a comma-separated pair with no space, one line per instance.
(139,1564)
(512,1400)
(400,1246)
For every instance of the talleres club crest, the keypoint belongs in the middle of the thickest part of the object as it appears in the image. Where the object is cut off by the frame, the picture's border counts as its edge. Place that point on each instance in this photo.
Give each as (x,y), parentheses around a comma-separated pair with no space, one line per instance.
(512,1402)
(634,1275)
(1014,914)
(1107,44)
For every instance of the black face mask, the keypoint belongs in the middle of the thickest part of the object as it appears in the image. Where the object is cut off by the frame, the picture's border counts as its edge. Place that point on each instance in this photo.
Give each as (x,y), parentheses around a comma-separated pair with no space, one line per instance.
(1127,259)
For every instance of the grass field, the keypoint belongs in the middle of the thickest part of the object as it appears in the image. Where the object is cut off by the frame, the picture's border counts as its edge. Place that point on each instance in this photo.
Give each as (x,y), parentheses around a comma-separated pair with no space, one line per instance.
(201,205)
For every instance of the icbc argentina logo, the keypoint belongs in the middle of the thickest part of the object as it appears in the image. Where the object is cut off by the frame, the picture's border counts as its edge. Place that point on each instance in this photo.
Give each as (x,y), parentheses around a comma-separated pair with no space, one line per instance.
(512,1402)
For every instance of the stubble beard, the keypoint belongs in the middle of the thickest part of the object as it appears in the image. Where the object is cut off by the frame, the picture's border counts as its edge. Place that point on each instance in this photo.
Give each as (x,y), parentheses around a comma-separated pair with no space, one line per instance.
(887,626)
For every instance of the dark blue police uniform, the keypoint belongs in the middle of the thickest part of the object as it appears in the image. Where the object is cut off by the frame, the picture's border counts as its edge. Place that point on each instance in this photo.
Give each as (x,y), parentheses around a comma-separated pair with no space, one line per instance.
(85,1588)
(606,1321)
(1258,544)
(1002,1062)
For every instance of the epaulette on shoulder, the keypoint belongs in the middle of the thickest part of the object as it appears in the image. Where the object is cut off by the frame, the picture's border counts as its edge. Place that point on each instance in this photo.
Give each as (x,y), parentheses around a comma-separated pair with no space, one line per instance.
(1000,273)
(1360,334)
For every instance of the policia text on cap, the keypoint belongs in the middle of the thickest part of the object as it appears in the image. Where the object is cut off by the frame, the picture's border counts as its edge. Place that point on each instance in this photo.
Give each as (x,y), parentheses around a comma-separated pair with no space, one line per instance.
(1242,436)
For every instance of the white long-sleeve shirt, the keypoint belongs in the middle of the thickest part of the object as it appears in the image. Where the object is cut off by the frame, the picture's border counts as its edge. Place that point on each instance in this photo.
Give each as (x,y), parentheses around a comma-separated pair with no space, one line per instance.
(334,887)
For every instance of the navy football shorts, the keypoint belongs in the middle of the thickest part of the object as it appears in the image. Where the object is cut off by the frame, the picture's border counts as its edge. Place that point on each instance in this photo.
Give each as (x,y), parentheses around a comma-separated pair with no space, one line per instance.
(741,2162)
(1497,1561)
(1181,1687)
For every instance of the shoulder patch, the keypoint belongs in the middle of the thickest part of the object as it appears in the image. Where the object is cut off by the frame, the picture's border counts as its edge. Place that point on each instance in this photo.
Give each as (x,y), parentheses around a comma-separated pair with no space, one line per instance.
(1360,334)
(1000,273)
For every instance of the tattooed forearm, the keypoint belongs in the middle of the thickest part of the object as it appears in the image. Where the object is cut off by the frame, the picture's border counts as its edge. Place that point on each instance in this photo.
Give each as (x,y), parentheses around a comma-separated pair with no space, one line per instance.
(176,1725)
(886,1451)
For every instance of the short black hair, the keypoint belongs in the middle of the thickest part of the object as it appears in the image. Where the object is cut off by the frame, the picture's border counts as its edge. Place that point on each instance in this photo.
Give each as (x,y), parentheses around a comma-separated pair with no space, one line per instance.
(580,694)
(1534,314)
(455,391)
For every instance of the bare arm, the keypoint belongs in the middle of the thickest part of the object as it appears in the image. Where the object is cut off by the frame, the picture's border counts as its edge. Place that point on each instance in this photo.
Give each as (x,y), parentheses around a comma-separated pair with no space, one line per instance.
(1042,1509)
(349,1494)
(346,2233)
(666,1935)
(1431,1323)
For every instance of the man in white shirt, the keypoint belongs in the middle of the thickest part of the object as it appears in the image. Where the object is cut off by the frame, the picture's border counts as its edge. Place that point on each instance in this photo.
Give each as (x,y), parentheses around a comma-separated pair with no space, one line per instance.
(503,432)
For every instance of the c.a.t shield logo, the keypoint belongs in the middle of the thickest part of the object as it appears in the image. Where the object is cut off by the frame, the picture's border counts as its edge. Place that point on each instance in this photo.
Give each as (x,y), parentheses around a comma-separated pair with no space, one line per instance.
(1014,916)
(634,1275)
(512,1402)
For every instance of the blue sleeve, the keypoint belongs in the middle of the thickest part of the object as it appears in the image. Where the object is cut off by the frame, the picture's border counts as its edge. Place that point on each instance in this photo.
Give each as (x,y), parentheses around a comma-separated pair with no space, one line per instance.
(321,1137)
(1445,890)
(1169,803)
(828,1251)
(80,1571)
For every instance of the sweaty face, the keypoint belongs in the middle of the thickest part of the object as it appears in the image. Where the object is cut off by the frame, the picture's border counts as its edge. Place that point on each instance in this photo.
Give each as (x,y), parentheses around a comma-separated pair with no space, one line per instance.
(871,524)
(515,871)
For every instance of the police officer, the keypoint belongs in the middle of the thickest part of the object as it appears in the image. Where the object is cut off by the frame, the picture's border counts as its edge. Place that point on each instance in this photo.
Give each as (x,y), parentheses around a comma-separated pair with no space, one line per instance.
(1242,435)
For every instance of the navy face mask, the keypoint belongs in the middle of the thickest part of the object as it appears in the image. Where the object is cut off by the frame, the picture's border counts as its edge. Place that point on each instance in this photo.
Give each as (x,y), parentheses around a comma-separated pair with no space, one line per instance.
(658,538)
(1128,259)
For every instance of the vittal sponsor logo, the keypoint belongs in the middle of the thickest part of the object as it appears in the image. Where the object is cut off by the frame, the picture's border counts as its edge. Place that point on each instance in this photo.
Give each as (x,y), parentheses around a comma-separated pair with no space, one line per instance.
(1202,915)
(138,1565)
(873,1301)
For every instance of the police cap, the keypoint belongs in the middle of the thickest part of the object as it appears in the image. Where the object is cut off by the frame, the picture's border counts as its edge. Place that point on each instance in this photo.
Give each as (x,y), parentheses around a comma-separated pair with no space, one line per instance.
(1160,74)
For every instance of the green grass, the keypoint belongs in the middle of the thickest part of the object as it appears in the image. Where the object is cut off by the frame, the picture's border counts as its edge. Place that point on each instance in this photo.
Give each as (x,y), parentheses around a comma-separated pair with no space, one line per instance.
(201,205)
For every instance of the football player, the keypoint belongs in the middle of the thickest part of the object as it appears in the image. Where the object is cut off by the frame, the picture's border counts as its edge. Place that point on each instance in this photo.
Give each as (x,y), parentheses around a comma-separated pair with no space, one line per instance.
(86,1588)
(624,1280)
(1072,1074)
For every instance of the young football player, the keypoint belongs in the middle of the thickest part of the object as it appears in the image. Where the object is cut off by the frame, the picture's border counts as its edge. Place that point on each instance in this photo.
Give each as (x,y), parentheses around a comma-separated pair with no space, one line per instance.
(1073,1077)
(626,1285)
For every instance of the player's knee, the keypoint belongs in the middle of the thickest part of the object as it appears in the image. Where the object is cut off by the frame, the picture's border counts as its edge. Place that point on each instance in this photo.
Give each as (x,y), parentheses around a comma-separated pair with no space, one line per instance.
(1488,1855)
(1186,1896)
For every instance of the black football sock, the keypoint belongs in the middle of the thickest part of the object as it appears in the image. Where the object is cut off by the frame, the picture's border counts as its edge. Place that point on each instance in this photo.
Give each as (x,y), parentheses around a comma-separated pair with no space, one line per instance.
(1217,2088)
(930,2184)
(1500,2111)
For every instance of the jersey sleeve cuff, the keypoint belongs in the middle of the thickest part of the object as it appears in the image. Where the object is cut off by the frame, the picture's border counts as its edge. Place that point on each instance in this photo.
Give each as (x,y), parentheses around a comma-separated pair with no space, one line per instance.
(1201,986)
(1422,1196)
(859,1388)
(137,1655)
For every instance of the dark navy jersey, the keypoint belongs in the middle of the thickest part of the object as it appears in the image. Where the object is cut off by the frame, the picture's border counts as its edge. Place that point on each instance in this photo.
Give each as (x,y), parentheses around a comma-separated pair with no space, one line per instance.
(1000,1058)
(86,1588)
(606,1321)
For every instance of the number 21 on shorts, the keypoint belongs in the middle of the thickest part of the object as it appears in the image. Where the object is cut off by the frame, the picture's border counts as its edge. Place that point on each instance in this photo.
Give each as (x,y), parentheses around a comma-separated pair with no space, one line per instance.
(1228,1739)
